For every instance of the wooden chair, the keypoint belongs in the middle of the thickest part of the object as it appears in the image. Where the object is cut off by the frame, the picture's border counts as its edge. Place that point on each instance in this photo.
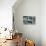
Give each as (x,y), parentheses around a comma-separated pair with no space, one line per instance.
(18,39)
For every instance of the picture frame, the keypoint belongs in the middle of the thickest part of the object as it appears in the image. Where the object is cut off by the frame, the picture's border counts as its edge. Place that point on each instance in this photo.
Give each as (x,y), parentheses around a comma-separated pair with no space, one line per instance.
(29,19)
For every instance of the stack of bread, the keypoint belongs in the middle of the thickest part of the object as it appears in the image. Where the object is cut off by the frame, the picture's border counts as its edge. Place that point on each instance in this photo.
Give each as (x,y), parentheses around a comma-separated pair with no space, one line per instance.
(29,43)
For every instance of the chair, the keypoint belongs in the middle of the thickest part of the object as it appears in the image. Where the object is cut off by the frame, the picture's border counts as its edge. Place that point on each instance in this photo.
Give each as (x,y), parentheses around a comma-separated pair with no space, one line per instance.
(18,39)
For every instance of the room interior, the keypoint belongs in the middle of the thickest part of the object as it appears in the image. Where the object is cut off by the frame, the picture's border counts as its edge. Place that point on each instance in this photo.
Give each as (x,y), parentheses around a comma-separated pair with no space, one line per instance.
(22,23)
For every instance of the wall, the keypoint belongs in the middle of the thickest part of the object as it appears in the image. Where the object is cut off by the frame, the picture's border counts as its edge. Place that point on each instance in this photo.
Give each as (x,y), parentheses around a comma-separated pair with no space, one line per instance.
(6,13)
(43,22)
(29,8)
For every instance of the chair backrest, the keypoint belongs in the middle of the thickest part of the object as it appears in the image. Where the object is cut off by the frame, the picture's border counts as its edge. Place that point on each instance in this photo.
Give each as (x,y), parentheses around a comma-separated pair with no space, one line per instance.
(18,39)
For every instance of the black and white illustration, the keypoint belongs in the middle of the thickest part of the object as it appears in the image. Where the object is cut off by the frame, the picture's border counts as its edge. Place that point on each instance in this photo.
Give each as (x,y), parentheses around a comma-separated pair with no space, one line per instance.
(29,19)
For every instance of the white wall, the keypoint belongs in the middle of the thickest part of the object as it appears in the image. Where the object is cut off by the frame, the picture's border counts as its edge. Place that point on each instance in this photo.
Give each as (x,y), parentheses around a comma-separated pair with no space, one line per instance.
(29,8)
(43,22)
(6,13)
(37,31)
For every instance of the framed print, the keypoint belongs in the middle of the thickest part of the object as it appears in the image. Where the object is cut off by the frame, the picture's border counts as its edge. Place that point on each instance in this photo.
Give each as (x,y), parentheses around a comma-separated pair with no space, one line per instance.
(29,19)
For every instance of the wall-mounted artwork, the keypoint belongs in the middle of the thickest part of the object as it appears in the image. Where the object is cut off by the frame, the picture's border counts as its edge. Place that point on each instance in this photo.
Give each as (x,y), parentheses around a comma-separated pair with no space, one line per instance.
(29,19)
